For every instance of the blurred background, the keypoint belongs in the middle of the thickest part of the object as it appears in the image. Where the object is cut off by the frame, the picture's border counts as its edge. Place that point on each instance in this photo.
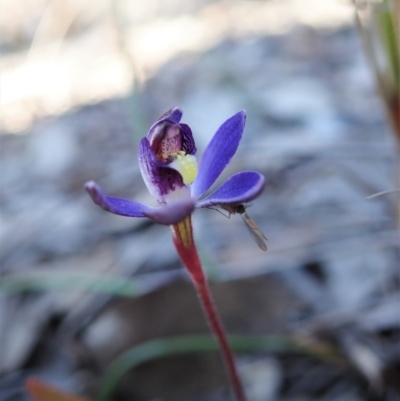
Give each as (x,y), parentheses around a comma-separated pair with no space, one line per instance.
(81,83)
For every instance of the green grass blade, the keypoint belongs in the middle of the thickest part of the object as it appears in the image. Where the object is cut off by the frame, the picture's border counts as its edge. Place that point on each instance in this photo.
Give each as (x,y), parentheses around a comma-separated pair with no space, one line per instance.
(390,42)
(68,281)
(195,344)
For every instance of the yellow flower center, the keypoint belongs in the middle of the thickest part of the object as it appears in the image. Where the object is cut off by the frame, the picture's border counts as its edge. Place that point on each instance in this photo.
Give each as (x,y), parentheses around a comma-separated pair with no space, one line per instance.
(186,165)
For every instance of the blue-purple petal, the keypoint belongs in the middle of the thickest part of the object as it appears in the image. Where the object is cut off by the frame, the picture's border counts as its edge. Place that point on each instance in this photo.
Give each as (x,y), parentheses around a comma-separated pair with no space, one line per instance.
(219,152)
(188,144)
(159,179)
(239,188)
(171,213)
(174,116)
(122,207)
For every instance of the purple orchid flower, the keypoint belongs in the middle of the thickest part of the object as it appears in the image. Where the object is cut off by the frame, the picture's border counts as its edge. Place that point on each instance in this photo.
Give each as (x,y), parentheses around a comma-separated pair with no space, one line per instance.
(169,168)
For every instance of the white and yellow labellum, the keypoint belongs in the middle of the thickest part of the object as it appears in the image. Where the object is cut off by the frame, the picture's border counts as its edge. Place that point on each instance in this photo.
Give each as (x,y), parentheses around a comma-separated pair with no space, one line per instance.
(186,165)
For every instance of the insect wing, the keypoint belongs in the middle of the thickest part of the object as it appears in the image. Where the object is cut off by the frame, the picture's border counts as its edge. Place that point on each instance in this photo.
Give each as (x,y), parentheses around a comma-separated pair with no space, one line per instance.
(255,232)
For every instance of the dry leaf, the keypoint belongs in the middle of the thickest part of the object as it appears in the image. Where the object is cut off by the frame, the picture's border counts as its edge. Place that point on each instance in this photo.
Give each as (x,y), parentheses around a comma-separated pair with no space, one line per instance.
(43,392)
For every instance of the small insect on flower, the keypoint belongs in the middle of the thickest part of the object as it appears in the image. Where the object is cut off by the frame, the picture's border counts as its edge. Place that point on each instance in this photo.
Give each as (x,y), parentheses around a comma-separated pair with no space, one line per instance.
(255,232)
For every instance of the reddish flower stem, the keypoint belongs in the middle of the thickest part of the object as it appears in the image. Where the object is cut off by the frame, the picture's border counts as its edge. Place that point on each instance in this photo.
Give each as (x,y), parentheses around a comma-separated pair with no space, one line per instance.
(217,327)
(183,240)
